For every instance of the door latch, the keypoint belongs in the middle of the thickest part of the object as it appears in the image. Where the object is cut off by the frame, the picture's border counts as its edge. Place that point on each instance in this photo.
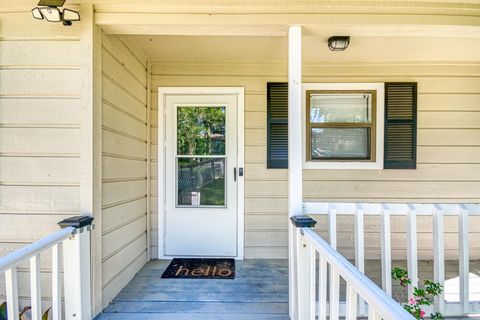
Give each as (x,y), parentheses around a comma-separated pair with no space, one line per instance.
(240,173)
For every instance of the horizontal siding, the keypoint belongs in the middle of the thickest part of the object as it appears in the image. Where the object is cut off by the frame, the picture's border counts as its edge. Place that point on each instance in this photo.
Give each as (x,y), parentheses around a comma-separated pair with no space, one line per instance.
(27,111)
(42,199)
(124,166)
(39,141)
(36,170)
(40,107)
(448,147)
(19,25)
(33,81)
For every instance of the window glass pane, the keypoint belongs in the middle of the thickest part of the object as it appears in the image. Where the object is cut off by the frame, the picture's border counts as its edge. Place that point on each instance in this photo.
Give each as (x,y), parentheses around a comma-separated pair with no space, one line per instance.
(201,130)
(201,181)
(350,108)
(340,143)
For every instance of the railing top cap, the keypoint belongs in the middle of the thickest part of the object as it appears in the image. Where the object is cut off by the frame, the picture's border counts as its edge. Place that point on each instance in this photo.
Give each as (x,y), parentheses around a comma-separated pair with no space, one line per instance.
(76,222)
(303,221)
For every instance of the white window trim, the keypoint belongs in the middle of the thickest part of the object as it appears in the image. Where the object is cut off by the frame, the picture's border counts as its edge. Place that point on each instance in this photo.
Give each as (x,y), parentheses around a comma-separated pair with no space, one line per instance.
(378,164)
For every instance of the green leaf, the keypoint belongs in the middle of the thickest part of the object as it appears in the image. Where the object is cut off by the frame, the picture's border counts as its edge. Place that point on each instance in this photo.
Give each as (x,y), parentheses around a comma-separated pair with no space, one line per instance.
(3,311)
(436,316)
(45,315)
(433,288)
(401,275)
(418,292)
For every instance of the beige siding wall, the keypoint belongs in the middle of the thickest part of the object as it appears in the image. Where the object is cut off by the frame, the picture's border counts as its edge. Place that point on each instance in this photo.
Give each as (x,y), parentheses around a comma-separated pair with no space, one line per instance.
(39,134)
(124,166)
(448,150)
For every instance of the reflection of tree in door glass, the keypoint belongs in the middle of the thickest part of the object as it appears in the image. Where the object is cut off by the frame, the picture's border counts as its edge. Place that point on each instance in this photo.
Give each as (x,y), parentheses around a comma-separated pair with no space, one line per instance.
(201,130)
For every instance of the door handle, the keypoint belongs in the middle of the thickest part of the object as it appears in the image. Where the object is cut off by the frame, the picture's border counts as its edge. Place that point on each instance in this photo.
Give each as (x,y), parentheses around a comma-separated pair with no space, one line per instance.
(240,173)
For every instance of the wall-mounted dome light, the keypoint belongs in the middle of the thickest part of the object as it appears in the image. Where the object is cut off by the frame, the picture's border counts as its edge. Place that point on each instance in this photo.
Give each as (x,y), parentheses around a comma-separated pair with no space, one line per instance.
(48,10)
(338,43)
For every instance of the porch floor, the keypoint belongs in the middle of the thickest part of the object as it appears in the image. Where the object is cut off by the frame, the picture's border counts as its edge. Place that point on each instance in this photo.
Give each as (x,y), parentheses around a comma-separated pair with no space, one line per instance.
(259,291)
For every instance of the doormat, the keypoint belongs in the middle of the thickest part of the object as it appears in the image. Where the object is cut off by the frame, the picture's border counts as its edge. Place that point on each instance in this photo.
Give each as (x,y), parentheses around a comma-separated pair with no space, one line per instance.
(200,269)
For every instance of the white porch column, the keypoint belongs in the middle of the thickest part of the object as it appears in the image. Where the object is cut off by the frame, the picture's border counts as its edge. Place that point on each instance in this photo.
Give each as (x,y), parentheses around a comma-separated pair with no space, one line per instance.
(295,197)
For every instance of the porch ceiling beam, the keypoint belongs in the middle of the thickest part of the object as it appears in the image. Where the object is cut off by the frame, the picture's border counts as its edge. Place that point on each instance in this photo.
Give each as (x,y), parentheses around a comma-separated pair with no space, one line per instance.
(277,24)
(195,30)
(288,6)
(119,18)
(277,30)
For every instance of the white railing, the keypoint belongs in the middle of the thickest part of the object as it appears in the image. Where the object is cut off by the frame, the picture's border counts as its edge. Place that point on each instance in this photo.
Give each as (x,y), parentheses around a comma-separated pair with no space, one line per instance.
(313,281)
(410,212)
(75,241)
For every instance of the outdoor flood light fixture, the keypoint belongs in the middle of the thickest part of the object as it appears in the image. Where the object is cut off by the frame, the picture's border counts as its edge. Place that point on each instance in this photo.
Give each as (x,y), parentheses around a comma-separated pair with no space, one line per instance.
(48,10)
(338,43)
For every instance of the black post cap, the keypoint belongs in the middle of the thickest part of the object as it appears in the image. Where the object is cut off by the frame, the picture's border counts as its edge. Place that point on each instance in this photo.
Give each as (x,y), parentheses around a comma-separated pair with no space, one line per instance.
(303,221)
(76,222)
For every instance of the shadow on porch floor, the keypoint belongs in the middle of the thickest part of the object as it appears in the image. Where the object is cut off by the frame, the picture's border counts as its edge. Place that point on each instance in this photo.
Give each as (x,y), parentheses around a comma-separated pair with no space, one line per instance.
(259,291)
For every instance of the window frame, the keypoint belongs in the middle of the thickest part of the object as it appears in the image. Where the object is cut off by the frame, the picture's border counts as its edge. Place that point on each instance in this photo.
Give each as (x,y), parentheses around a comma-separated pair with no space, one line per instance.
(377,162)
(338,125)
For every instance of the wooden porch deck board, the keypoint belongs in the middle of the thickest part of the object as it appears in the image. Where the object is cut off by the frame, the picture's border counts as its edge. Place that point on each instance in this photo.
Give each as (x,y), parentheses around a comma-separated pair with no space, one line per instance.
(259,291)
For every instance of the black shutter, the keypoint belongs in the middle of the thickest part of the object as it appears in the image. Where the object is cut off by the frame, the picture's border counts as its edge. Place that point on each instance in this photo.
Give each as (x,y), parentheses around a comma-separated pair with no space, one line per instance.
(400,125)
(277,125)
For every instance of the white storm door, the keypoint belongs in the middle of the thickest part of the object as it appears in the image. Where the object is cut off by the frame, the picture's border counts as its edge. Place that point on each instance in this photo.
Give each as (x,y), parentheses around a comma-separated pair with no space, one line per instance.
(200,175)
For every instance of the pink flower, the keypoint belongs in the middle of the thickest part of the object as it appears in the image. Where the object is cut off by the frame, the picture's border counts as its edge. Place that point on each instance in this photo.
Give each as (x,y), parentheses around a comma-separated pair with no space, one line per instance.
(422,313)
(412,301)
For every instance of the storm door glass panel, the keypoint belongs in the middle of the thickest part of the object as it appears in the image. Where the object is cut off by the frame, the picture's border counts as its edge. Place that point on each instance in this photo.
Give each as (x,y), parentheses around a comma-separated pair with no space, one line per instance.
(201,158)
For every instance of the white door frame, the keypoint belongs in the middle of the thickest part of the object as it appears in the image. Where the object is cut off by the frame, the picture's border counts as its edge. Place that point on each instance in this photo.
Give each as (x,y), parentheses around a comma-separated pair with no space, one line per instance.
(162,93)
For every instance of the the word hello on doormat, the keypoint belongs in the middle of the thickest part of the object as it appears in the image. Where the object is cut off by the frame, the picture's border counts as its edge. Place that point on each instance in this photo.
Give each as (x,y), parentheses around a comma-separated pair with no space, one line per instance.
(200,269)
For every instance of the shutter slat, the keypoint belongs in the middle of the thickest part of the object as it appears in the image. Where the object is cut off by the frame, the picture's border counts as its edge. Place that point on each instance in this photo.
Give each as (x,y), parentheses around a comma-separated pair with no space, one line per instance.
(400,125)
(277,125)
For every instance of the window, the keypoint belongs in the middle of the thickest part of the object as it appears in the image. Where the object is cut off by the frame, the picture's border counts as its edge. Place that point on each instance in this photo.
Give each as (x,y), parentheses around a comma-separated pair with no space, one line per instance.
(341,125)
(379,129)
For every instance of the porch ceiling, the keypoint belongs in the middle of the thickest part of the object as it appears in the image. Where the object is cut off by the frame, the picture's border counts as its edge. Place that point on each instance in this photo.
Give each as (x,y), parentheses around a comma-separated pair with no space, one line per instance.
(247,31)
(214,49)
(221,30)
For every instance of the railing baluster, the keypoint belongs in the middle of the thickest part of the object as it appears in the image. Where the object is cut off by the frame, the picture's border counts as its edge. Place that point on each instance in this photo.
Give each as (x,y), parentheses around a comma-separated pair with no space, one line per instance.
(463,256)
(334,277)
(334,293)
(35,287)
(351,303)
(312,282)
(386,249)
(372,314)
(412,256)
(322,288)
(332,225)
(56,283)
(11,282)
(360,249)
(439,255)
